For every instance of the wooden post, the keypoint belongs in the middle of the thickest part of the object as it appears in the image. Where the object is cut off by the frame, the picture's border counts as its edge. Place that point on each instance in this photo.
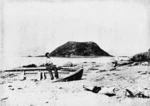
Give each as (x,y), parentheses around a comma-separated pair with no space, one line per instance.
(22,76)
(44,75)
(39,76)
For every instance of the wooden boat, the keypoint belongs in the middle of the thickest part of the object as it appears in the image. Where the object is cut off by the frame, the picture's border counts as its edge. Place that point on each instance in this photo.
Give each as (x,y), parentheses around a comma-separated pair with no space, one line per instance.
(77,75)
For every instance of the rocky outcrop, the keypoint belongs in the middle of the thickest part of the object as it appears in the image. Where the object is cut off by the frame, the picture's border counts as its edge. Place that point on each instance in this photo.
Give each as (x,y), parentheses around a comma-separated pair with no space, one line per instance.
(145,56)
(78,49)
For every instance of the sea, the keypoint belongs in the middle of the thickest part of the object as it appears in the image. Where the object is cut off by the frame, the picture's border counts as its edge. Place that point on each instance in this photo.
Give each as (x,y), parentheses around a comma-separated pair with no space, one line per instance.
(15,62)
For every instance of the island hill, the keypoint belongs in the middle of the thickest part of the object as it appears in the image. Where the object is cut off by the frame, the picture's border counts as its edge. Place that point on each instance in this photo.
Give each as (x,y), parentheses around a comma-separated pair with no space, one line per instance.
(78,49)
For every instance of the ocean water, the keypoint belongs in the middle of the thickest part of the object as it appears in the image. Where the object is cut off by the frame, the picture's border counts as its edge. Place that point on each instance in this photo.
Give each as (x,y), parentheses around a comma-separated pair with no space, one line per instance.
(14,62)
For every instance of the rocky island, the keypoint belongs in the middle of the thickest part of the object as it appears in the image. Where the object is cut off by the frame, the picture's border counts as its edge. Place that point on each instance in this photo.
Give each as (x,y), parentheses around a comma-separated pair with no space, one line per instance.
(78,49)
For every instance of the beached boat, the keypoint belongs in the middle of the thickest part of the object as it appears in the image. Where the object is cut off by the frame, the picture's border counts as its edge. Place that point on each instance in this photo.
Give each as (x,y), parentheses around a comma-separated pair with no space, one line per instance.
(77,75)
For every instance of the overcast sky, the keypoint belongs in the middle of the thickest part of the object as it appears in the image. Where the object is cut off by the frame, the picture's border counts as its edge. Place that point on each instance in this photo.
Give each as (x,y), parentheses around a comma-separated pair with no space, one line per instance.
(119,28)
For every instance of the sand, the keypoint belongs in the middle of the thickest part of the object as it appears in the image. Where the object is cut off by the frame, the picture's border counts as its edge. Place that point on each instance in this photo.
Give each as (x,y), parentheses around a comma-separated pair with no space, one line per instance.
(45,93)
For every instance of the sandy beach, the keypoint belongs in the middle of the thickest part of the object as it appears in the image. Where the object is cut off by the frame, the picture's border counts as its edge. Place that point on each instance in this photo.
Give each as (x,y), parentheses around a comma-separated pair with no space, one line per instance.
(97,50)
(135,77)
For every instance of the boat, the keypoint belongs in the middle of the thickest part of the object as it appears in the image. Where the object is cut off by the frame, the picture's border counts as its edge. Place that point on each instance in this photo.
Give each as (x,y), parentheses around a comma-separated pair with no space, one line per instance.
(77,75)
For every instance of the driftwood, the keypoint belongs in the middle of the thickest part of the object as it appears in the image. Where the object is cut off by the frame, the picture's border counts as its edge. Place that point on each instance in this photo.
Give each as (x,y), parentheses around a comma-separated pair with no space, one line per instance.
(139,94)
(94,89)
(26,69)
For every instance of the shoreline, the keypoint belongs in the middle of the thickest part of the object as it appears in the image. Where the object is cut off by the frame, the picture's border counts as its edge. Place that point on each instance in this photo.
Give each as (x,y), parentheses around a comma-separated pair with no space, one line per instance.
(43,92)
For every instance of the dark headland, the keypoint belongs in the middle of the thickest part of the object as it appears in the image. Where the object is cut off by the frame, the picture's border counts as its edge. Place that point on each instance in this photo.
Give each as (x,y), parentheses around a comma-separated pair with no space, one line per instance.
(144,56)
(78,49)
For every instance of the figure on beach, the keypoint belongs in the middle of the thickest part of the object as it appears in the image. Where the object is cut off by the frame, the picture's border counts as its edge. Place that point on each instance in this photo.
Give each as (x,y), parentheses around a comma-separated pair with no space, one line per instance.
(50,66)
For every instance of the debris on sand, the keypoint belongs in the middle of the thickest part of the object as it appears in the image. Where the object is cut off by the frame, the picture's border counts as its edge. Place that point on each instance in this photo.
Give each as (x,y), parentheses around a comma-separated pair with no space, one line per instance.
(94,89)
(139,94)
(108,84)
(29,66)
(8,75)
(109,91)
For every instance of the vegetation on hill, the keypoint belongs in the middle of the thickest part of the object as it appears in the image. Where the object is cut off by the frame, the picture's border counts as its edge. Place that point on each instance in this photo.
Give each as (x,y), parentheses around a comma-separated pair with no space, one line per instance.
(77,49)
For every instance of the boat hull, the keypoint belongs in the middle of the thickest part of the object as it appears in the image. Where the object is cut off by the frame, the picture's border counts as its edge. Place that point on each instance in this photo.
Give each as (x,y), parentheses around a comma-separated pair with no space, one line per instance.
(74,76)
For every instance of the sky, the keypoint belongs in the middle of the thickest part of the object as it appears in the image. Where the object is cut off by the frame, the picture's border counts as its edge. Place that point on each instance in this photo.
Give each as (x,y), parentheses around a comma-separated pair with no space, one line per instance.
(35,27)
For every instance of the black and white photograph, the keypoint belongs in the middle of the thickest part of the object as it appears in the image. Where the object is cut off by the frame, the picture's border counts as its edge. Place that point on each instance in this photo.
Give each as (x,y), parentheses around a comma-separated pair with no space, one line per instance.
(74,52)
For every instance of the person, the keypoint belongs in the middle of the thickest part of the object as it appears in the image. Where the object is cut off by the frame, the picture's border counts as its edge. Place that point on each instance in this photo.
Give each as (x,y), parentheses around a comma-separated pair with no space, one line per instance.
(50,66)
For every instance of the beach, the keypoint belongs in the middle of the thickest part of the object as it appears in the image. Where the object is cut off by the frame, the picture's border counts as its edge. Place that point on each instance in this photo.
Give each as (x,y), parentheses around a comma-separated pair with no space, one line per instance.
(134,77)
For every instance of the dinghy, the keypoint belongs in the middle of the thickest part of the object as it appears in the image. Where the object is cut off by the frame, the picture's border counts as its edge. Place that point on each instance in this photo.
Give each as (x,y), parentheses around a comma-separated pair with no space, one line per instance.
(77,75)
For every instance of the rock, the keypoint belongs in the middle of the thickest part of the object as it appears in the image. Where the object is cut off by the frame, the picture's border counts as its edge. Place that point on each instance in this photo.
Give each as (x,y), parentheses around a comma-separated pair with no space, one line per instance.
(101,71)
(145,63)
(140,93)
(147,93)
(9,85)
(68,64)
(77,49)
(12,89)
(19,88)
(113,69)
(144,56)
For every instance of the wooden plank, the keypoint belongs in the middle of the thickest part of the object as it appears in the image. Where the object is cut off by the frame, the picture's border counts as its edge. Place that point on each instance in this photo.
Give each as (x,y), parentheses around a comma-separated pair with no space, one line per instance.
(27,69)
(39,69)
(59,71)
